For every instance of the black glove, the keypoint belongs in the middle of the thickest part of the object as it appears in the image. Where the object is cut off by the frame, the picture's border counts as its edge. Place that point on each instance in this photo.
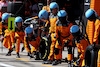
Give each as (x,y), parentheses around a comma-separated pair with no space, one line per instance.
(66,43)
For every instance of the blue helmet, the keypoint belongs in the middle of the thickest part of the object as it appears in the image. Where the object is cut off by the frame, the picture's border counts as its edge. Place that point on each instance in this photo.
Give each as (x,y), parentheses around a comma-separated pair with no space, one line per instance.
(74,29)
(90,12)
(43,14)
(18,19)
(5,16)
(53,5)
(62,13)
(28,30)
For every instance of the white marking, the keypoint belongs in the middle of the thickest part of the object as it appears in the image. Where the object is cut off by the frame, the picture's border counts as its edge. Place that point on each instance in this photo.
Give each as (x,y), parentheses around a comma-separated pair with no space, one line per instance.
(87,3)
(6,65)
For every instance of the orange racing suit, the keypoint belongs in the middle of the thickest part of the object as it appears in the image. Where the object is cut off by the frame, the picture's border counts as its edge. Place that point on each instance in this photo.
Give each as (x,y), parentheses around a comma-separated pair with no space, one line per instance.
(7,38)
(90,29)
(52,30)
(81,44)
(97,32)
(19,34)
(62,35)
(34,41)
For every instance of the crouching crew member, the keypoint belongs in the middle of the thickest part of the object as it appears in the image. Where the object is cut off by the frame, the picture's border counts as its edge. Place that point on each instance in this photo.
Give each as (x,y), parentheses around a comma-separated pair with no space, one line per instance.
(81,44)
(31,38)
(19,34)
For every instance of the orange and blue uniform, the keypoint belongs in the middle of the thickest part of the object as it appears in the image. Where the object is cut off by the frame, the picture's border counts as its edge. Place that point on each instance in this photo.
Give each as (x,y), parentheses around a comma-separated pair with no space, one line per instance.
(19,34)
(7,38)
(7,34)
(52,30)
(34,41)
(62,35)
(81,44)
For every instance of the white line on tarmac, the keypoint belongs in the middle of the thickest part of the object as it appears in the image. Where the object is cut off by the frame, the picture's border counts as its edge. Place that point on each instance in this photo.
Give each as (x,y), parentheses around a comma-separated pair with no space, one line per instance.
(6,65)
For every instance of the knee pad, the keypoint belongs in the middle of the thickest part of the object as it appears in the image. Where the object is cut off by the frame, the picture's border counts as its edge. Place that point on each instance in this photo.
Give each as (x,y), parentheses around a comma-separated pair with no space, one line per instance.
(56,51)
(69,49)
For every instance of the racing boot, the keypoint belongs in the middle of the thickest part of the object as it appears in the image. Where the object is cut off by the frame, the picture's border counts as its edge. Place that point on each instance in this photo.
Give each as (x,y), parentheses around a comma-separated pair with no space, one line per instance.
(30,54)
(69,64)
(37,56)
(17,55)
(9,52)
(34,54)
(56,62)
(48,62)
